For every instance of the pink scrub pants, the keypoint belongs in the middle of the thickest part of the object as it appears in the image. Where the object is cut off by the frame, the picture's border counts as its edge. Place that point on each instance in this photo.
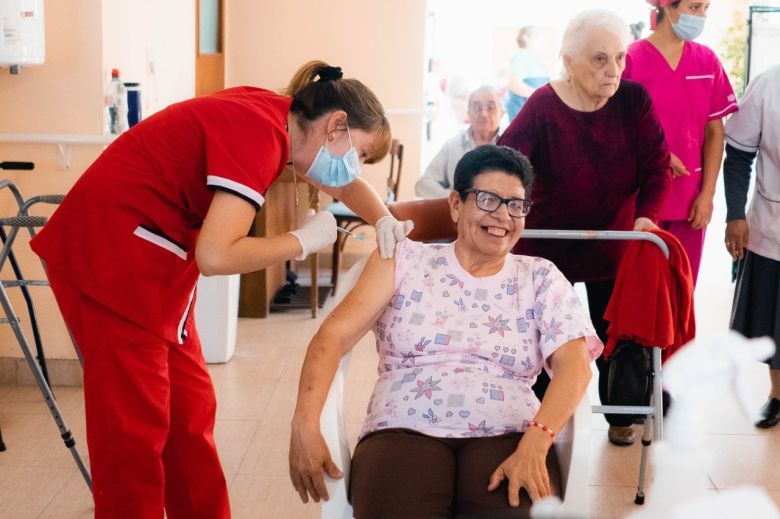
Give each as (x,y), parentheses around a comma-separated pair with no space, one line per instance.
(692,241)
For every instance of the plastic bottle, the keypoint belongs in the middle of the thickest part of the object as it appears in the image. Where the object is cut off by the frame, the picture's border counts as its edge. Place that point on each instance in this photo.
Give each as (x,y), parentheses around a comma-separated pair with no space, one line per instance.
(133,103)
(116,104)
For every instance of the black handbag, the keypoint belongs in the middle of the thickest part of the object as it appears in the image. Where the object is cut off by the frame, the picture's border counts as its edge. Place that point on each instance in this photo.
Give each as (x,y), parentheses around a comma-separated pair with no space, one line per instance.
(630,379)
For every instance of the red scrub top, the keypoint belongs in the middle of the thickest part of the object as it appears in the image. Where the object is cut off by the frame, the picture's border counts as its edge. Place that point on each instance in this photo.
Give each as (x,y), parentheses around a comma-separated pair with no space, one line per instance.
(126,233)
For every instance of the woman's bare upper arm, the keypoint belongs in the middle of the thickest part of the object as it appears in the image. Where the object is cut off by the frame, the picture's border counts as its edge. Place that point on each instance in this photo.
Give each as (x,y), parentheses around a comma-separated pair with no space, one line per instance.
(360,309)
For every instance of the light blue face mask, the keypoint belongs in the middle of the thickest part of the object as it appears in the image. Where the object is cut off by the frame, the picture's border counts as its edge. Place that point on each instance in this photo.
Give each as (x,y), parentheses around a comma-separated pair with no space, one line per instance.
(689,27)
(329,170)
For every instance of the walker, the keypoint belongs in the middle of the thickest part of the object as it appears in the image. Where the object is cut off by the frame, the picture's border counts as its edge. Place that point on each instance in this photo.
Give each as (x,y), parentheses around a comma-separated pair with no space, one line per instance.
(14,223)
(653,411)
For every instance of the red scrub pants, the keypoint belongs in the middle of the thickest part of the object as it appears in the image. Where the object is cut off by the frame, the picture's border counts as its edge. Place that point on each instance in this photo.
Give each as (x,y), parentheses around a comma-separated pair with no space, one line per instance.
(150,410)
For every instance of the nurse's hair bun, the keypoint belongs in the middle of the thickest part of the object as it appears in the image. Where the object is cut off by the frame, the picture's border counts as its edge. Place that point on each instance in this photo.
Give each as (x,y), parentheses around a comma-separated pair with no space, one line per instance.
(330,74)
(315,92)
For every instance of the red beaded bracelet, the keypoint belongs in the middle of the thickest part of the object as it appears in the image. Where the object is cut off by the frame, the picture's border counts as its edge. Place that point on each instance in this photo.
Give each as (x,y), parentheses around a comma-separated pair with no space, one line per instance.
(543,427)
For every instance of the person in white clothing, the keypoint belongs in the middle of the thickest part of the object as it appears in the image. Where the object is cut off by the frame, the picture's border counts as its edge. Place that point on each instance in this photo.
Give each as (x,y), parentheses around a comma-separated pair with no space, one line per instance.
(485,112)
(754,241)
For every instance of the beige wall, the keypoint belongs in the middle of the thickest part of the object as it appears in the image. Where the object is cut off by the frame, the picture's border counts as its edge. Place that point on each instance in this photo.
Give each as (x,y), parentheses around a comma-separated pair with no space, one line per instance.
(62,96)
(84,40)
(380,43)
(377,42)
(153,43)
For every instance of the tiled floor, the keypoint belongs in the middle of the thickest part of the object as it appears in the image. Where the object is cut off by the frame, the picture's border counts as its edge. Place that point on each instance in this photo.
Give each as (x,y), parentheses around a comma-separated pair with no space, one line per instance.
(256,393)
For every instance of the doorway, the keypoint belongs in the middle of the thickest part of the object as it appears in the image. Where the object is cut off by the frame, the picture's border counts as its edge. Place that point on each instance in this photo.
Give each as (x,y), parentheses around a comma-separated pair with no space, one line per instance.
(763,39)
(210,55)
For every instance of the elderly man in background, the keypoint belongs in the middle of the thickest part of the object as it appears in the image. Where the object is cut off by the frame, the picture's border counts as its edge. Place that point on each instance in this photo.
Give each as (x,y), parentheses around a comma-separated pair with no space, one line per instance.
(485,112)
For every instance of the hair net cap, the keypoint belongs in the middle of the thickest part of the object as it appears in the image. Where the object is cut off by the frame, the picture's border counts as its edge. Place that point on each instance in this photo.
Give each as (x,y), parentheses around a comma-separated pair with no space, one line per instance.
(658,4)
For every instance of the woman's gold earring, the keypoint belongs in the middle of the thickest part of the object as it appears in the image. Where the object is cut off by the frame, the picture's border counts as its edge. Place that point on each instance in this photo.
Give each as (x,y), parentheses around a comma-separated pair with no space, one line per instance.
(330,136)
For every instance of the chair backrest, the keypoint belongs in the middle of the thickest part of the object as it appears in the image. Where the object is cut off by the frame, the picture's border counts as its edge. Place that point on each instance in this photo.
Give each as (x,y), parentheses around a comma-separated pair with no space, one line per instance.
(394,178)
(432,220)
(332,425)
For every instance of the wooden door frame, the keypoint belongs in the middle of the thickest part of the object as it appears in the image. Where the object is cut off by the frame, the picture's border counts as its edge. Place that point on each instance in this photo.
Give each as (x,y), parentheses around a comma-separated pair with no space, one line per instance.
(210,68)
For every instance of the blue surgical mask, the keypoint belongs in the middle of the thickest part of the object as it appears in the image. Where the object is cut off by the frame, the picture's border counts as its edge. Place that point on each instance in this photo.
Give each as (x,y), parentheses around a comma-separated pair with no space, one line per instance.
(329,170)
(689,27)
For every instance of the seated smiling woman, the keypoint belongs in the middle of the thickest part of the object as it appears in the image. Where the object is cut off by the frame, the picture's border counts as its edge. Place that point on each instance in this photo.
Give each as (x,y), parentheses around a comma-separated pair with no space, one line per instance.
(462,330)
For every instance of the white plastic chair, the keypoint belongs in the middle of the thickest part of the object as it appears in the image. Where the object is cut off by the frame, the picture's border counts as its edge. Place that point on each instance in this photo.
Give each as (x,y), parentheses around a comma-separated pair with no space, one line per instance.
(571,445)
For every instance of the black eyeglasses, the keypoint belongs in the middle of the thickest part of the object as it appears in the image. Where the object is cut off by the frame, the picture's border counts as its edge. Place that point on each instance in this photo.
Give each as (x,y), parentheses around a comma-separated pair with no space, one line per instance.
(490,202)
(490,108)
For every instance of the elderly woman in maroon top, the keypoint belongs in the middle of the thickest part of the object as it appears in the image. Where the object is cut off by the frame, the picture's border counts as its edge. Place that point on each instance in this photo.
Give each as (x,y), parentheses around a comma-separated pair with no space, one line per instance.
(600,160)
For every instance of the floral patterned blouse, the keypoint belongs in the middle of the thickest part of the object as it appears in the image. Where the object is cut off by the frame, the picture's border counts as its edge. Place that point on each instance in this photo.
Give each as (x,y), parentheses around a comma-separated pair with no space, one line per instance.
(458,354)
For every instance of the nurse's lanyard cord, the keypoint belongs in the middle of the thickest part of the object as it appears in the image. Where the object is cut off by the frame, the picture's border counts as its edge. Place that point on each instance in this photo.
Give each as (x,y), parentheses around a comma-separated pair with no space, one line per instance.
(292,166)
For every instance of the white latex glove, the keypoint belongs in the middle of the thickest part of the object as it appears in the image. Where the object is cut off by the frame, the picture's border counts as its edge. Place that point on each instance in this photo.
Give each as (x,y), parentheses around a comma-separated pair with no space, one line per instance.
(318,232)
(390,231)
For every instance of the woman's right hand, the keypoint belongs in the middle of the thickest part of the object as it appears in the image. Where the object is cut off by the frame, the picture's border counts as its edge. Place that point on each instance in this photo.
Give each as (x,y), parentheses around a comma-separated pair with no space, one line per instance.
(644,224)
(318,232)
(309,460)
(737,233)
(678,168)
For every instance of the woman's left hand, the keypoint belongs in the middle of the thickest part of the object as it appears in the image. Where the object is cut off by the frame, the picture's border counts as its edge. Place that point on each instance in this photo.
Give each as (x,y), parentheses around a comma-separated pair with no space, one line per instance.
(701,211)
(390,231)
(524,468)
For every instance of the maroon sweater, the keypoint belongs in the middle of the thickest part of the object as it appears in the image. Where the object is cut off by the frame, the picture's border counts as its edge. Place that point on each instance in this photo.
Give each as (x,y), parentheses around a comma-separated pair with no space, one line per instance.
(593,170)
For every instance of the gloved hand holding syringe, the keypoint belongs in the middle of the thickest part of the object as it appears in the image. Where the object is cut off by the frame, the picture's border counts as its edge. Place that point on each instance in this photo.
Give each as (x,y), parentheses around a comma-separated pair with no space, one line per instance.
(357,236)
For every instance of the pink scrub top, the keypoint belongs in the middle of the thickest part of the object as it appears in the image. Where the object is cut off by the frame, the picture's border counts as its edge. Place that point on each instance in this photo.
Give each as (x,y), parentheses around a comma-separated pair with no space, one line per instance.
(686,99)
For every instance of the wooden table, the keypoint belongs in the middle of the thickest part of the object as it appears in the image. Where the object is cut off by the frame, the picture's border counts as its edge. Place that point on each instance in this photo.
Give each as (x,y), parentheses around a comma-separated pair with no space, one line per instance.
(278,215)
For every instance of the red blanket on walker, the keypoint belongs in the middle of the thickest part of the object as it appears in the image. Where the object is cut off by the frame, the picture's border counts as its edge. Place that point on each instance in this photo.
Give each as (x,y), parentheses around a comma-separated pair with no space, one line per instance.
(652,303)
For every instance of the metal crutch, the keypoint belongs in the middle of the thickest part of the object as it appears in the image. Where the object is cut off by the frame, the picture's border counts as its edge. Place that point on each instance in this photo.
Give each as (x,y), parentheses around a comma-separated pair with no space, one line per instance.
(31,222)
(654,411)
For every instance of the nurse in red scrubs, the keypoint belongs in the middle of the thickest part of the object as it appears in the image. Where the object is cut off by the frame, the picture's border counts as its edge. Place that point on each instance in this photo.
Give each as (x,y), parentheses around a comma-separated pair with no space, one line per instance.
(170,199)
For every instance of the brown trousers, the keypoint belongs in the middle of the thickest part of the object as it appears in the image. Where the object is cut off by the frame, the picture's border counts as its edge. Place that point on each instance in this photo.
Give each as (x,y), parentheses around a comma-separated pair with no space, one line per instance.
(403,474)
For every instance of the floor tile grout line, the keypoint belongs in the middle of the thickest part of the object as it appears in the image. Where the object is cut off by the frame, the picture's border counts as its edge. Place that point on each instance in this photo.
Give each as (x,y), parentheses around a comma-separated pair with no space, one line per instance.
(55,494)
(246,450)
(746,435)
(633,487)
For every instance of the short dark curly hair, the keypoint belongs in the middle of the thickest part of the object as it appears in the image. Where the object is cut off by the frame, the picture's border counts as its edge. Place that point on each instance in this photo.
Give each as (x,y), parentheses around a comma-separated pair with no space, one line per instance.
(490,157)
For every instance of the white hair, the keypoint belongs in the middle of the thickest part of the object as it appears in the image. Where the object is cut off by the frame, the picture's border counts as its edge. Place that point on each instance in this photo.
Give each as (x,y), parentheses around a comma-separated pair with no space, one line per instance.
(579,28)
(486,89)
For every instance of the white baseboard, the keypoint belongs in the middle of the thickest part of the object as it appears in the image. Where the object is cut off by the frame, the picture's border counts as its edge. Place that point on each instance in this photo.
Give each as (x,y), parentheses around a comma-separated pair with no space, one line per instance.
(14,371)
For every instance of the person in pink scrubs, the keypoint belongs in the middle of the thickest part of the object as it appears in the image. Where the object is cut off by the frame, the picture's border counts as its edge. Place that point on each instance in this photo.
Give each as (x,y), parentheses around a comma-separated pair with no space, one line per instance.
(691,95)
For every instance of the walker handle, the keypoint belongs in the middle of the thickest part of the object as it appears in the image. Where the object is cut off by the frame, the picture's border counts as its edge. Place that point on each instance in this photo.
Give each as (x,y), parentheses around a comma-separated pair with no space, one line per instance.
(49,199)
(24,221)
